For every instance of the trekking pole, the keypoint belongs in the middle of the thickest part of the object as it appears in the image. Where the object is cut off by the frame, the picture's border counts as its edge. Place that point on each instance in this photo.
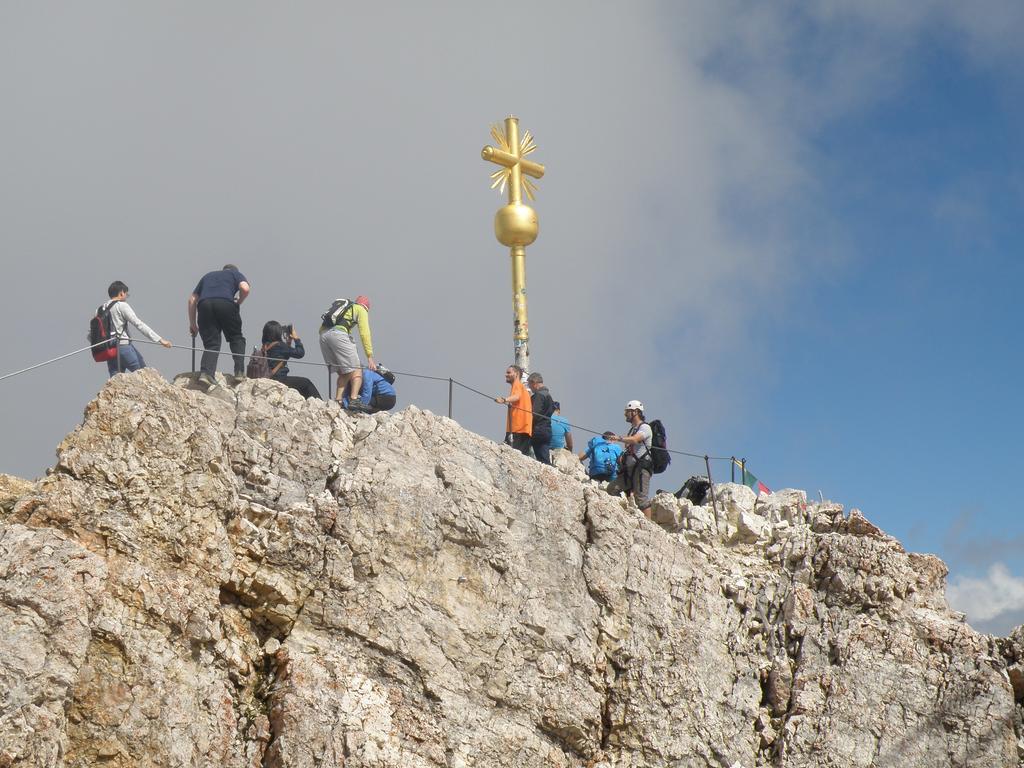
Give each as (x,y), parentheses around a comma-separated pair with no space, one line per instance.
(711,483)
(451,386)
(193,353)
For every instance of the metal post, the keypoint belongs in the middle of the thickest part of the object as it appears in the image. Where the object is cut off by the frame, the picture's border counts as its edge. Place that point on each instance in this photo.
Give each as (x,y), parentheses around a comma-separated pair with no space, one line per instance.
(711,483)
(330,394)
(732,468)
(119,353)
(743,468)
(451,388)
(193,353)
(520,324)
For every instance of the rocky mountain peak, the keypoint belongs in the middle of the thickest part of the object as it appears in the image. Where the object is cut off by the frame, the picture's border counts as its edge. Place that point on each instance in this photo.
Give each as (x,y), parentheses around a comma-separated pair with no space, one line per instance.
(268,581)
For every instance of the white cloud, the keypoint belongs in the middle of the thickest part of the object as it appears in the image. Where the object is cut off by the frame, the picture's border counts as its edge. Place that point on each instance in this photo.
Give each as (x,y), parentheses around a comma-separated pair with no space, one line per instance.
(986,598)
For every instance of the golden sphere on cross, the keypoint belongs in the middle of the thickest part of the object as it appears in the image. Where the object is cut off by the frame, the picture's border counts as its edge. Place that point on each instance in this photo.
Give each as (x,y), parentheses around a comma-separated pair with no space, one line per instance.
(516,224)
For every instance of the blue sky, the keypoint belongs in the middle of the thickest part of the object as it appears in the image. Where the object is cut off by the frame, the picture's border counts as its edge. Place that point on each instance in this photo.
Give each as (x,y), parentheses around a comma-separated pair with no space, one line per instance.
(789,228)
(892,384)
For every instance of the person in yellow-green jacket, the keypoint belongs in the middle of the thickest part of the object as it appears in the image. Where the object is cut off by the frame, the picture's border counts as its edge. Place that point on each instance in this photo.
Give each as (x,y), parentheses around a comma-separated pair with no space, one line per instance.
(339,347)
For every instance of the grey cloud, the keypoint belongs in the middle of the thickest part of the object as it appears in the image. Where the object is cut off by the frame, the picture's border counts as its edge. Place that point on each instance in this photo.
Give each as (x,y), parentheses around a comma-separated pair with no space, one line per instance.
(331,152)
(332,149)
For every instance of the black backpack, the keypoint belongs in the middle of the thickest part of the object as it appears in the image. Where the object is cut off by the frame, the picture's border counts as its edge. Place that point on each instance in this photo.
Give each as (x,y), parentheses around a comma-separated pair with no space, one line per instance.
(694,489)
(101,334)
(660,457)
(335,315)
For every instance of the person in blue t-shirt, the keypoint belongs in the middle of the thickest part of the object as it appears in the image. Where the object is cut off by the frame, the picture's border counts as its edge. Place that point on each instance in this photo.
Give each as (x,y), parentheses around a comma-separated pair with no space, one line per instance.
(561,432)
(603,456)
(377,390)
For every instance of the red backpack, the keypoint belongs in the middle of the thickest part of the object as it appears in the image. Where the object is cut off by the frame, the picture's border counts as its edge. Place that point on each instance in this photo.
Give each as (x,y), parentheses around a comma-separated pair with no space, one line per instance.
(101,334)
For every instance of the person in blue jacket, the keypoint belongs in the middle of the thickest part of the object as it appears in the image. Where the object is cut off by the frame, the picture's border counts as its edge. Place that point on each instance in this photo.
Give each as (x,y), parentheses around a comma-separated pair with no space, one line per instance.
(377,390)
(604,457)
(280,344)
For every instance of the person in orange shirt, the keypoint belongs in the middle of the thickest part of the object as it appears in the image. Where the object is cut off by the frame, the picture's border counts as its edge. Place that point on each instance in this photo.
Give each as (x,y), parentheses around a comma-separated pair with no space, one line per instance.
(519,422)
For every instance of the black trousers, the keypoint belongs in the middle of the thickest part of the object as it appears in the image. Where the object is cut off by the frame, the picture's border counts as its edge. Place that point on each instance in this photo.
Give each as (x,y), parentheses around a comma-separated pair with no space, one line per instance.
(382,403)
(300,384)
(520,441)
(218,316)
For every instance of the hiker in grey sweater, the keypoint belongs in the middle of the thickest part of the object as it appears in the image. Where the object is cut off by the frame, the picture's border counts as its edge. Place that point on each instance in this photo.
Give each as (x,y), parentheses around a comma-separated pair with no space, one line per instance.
(121,315)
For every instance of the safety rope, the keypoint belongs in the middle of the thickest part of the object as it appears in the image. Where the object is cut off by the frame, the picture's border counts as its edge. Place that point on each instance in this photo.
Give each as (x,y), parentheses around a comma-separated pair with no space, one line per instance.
(47,362)
(326,365)
(588,429)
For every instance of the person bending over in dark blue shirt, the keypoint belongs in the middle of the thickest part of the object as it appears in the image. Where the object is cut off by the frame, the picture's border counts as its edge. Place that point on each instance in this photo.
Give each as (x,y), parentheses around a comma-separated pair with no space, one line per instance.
(213,308)
(281,343)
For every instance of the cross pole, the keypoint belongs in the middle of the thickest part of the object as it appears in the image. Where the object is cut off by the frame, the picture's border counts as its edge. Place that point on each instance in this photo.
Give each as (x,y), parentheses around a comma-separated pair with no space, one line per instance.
(515,225)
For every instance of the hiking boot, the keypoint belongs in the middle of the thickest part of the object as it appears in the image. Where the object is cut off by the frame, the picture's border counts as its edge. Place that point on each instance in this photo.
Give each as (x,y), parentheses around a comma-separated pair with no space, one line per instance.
(206,380)
(356,405)
(237,379)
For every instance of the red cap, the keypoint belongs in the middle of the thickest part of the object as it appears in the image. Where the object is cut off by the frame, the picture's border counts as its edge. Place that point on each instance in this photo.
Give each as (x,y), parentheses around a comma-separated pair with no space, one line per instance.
(364,300)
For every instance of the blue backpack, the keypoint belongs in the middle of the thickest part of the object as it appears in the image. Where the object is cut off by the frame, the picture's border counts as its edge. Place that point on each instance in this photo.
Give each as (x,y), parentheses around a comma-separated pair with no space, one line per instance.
(604,458)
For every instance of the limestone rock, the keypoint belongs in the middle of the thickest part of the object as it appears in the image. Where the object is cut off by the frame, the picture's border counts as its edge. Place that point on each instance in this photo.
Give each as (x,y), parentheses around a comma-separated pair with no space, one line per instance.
(669,512)
(11,489)
(262,580)
(49,591)
(567,462)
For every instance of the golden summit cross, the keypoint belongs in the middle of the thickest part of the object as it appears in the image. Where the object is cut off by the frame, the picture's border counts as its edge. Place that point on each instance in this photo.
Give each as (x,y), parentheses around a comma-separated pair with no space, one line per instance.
(515,225)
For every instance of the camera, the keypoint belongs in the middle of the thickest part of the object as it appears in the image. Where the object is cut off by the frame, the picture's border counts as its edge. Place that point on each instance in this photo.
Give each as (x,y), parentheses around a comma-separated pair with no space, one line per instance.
(286,332)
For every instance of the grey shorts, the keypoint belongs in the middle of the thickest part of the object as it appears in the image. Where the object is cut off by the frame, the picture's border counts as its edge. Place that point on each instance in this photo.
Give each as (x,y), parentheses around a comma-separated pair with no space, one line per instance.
(636,481)
(339,350)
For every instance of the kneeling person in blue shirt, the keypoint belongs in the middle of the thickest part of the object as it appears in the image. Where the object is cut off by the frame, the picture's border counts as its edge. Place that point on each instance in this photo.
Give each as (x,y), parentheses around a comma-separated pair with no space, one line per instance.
(376,390)
(604,457)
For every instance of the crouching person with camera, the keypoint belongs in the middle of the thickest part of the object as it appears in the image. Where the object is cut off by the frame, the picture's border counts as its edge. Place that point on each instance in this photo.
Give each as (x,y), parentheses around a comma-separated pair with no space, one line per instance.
(280,344)
(377,390)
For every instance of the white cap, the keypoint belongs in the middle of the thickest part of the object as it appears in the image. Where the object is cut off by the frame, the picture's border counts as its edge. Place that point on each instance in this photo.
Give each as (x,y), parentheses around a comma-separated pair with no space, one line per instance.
(634,405)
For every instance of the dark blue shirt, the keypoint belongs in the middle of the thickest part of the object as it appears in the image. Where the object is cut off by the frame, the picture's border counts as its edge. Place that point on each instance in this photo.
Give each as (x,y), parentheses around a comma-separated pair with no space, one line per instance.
(219,284)
(281,352)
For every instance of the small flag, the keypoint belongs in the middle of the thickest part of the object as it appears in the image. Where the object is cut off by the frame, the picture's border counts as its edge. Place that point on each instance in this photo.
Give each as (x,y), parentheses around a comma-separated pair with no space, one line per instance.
(750,481)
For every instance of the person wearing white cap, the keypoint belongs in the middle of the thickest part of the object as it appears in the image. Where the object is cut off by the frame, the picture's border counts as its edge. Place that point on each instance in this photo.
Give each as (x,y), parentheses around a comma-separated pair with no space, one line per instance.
(636,459)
